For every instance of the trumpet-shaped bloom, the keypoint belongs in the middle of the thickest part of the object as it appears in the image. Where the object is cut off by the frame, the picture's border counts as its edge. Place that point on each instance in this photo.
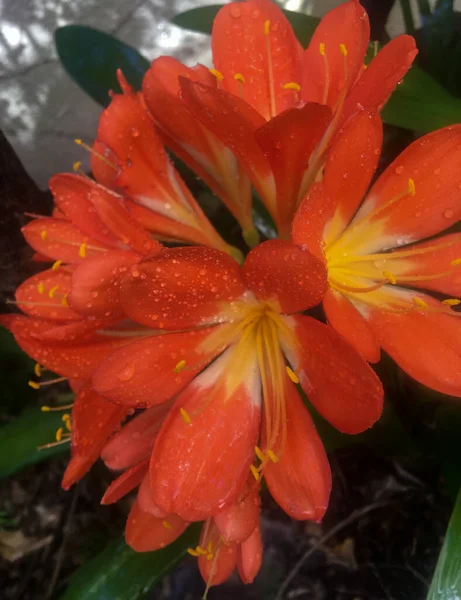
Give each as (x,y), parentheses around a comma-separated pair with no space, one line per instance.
(278,108)
(379,247)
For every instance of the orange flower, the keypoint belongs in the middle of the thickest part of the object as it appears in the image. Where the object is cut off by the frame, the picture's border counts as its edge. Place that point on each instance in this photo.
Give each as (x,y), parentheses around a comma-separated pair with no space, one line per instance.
(381,255)
(274,106)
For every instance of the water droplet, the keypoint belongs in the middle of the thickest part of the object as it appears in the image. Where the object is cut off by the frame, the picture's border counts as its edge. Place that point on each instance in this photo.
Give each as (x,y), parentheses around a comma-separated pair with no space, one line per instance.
(448,213)
(399,170)
(127,373)
(235,11)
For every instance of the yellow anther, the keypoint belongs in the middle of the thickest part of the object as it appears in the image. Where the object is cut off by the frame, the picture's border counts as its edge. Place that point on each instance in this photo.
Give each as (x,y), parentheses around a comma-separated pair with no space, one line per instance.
(343,49)
(219,76)
(420,303)
(390,277)
(185,416)
(56,265)
(180,366)
(210,547)
(456,262)
(76,166)
(267,25)
(254,472)
(53,291)
(59,433)
(451,302)
(365,66)
(34,385)
(82,250)
(65,417)
(272,456)
(68,423)
(322,49)
(411,187)
(260,454)
(41,288)
(38,370)
(192,552)
(78,142)
(223,540)
(239,77)
(200,551)
(167,525)
(64,301)
(45,409)
(292,85)
(209,556)
(292,375)
(43,235)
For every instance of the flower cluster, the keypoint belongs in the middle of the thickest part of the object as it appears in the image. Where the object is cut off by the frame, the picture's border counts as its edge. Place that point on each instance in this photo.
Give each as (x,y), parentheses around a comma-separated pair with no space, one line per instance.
(190,364)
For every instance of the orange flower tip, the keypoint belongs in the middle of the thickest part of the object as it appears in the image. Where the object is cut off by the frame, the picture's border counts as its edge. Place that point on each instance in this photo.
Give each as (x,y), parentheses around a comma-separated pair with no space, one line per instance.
(76,166)
(59,434)
(292,85)
(34,385)
(41,288)
(322,49)
(53,291)
(123,83)
(38,370)
(167,525)
(239,77)
(267,26)
(219,76)
(255,472)
(56,265)
(272,456)
(343,49)
(82,250)
(260,454)
(390,277)
(45,409)
(180,366)
(43,235)
(251,237)
(64,301)
(185,415)
(456,262)
(193,552)
(292,375)
(411,187)
(451,302)
(420,303)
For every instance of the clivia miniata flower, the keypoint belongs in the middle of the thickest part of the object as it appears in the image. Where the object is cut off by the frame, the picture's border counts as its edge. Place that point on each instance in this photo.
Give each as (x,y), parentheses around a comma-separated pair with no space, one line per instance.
(379,247)
(276,107)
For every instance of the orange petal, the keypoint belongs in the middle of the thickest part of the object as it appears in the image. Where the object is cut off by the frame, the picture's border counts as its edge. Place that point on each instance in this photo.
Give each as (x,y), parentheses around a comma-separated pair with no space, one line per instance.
(33,295)
(151,371)
(145,533)
(337,380)
(125,483)
(237,522)
(279,271)
(181,287)
(266,59)
(146,500)
(96,284)
(195,474)
(134,442)
(348,322)
(218,565)
(250,555)
(300,482)
(93,421)
(348,25)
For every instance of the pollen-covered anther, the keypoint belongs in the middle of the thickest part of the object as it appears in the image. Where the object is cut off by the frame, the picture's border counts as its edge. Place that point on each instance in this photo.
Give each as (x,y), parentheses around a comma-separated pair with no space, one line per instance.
(179,366)
(76,166)
(66,419)
(43,235)
(420,303)
(167,525)
(343,49)
(34,385)
(56,265)
(292,85)
(38,370)
(41,288)
(255,472)
(411,187)
(185,416)
(390,277)
(82,250)
(56,408)
(267,26)
(292,375)
(239,77)
(322,49)
(451,302)
(193,552)
(97,154)
(64,301)
(272,456)
(260,454)
(456,262)
(219,76)
(53,291)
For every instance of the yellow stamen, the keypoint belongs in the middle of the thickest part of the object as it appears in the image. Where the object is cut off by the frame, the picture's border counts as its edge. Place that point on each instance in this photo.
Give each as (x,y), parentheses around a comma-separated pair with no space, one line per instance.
(210,547)
(239,77)
(200,551)
(322,49)
(82,250)
(260,454)
(167,525)
(209,556)
(56,408)
(292,85)
(272,456)
(43,235)
(34,385)
(76,166)
(41,288)
(343,49)
(59,433)
(420,303)
(267,25)
(455,262)
(65,417)
(411,187)
(219,76)
(38,370)
(451,302)
(53,290)
(390,277)
(185,416)
(56,265)
(193,552)
(97,154)
(179,366)
(254,472)
(64,301)
(292,375)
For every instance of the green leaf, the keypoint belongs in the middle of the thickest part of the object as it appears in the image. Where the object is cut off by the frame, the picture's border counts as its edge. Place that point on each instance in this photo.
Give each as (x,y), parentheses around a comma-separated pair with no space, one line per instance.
(119,573)
(20,439)
(92,57)
(448,420)
(421,104)
(201,20)
(16,368)
(446,582)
